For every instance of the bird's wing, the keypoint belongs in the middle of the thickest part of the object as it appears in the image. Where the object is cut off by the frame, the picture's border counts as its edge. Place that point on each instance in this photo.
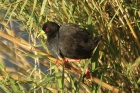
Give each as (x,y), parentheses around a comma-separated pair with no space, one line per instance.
(72,47)
(74,36)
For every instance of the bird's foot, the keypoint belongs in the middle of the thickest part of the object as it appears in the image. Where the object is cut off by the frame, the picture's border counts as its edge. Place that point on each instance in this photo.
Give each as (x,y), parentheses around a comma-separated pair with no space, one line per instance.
(87,74)
(66,62)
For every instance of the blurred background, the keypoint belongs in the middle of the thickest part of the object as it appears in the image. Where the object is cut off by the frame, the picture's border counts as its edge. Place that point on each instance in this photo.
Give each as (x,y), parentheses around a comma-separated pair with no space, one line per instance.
(24,68)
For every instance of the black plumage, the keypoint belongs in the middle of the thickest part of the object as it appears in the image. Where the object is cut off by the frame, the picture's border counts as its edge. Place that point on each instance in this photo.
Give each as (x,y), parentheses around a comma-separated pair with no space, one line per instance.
(70,41)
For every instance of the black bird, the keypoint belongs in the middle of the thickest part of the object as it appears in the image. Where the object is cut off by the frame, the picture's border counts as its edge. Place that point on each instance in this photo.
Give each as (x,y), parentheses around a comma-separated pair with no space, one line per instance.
(70,41)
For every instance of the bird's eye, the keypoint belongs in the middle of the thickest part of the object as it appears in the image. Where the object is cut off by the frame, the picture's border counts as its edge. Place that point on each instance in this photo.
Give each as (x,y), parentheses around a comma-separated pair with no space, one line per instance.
(47,29)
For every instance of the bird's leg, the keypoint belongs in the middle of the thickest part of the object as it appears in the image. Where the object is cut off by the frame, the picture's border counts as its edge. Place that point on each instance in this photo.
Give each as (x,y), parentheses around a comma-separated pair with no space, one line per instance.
(68,60)
(72,60)
(87,73)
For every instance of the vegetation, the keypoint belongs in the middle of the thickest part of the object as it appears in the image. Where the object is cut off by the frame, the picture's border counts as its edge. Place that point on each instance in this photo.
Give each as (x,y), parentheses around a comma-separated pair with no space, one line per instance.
(28,65)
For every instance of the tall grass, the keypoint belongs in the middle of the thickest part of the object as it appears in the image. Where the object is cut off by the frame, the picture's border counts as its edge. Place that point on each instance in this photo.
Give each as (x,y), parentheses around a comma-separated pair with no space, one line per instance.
(27,64)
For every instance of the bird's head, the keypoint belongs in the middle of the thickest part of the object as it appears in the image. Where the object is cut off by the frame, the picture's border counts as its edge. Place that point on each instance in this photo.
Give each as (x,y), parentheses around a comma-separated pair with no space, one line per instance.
(50,28)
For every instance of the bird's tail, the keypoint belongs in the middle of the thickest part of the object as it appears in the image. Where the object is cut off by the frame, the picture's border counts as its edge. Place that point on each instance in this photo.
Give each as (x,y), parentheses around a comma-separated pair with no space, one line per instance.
(97,39)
